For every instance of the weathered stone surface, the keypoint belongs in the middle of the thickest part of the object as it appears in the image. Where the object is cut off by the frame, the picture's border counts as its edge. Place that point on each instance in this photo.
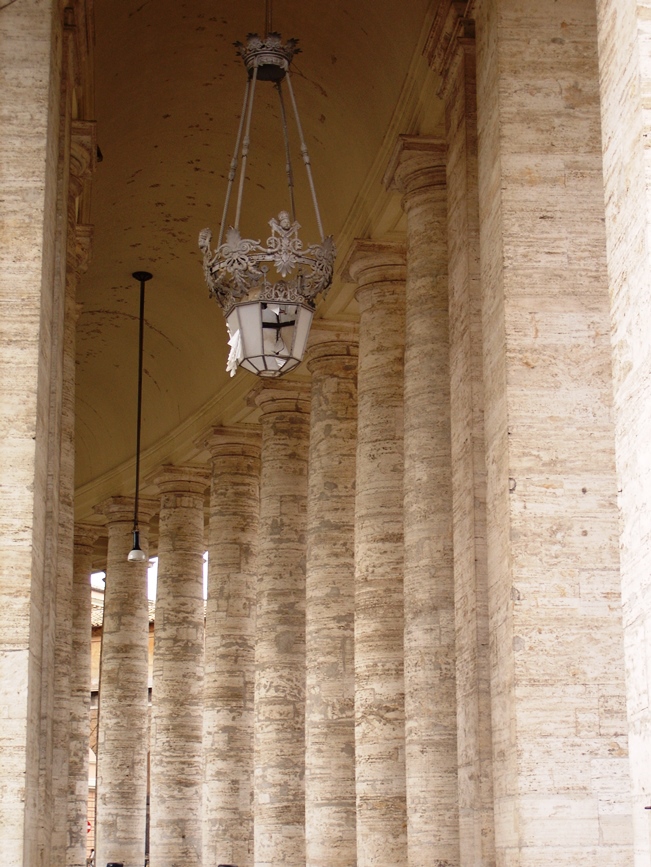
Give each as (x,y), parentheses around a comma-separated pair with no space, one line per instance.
(280,626)
(80,686)
(30,34)
(123,701)
(176,749)
(553,576)
(418,171)
(330,828)
(625,73)
(78,139)
(379,269)
(230,646)
(474,749)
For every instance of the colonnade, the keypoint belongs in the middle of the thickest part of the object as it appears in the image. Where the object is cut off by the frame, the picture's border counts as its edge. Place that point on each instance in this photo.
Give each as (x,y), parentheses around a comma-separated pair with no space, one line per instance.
(413,650)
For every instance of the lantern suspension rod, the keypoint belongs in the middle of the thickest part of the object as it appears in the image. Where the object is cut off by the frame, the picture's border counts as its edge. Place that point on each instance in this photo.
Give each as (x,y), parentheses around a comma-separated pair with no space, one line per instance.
(288,158)
(142,276)
(233,167)
(306,156)
(268,29)
(245,147)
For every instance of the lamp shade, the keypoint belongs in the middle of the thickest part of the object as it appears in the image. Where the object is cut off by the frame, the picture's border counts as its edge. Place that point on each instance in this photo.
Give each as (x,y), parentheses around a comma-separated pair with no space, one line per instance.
(268,338)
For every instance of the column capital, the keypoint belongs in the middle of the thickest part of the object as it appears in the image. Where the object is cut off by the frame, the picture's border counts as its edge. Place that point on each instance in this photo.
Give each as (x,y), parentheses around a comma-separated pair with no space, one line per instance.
(85,535)
(222,440)
(182,479)
(332,331)
(281,396)
(370,262)
(330,339)
(452,32)
(119,510)
(417,163)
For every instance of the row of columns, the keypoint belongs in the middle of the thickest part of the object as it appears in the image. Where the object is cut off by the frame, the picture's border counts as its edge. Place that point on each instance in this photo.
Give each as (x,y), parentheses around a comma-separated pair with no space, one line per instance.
(407,637)
(494,533)
(348,714)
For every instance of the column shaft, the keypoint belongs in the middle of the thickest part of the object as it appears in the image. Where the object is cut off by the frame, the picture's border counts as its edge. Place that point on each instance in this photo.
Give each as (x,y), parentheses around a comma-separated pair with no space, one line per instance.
(30,143)
(330,602)
(625,72)
(123,692)
(280,628)
(81,163)
(379,622)
(230,647)
(176,760)
(452,51)
(559,722)
(418,170)
(80,686)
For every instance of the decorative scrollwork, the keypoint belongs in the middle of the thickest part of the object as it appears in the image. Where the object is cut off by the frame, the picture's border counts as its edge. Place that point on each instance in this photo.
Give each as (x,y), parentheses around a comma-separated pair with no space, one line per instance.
(239,267)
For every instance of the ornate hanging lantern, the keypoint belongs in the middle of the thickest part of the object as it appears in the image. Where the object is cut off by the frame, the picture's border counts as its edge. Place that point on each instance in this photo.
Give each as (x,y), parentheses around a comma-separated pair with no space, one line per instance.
(267,292)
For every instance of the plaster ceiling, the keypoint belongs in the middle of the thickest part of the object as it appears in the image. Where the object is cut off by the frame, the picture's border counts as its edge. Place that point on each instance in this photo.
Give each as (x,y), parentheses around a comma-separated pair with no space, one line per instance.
(168,93)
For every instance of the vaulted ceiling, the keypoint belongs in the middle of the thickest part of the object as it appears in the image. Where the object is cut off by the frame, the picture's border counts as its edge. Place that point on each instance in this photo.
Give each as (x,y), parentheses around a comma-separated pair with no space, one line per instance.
(168,94)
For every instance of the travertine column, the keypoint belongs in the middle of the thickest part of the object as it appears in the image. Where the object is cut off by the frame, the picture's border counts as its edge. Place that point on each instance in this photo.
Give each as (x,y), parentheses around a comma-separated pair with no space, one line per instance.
(176,756)
(30,81)
(77,801)
(417,169)
(330,600)
(230,646)
(82,159)
(280,626)
(451,50)
(123,700)
(559,746)
(379,269)
(625,70)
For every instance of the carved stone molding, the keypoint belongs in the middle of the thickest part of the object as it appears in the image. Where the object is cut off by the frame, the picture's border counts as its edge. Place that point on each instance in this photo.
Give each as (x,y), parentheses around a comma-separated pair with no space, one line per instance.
(417,162)
(83,154)
(453,30)
(83,246)
(374,261)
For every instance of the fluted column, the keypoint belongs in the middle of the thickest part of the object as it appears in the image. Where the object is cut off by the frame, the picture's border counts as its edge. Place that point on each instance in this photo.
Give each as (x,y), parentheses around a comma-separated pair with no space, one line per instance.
(330,603)
(379,269)
(176,766)
(280,627)
(451,49)
(123,700)
(230,646)
(77,801)
(417,170)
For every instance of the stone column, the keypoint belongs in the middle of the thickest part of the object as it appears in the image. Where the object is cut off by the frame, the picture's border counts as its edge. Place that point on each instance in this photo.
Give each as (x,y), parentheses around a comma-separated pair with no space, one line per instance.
(123,701)
(417,169)
(451,51)
(379,269)
(29,455)
(330,604)
(176,755)
(77,801)
(280,626)
(559,722)
(230,646)
(625,73)
(82,160)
